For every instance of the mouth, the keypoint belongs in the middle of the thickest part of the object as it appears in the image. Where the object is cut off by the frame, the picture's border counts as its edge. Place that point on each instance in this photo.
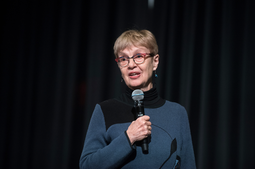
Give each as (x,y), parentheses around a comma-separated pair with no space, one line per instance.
(134,75)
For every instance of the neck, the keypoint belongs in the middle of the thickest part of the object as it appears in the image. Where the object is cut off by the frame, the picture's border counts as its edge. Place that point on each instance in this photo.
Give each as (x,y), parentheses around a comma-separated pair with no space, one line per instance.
(151,98)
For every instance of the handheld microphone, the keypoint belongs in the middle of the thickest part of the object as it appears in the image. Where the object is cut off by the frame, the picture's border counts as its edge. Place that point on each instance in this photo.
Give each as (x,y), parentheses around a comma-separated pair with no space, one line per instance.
(137,96)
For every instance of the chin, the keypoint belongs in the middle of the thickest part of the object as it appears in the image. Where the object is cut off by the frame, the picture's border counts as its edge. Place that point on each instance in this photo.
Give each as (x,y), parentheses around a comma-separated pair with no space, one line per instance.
(133,86)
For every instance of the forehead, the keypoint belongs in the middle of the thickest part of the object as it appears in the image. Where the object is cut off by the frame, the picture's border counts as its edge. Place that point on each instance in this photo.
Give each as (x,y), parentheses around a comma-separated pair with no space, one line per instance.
(132,50)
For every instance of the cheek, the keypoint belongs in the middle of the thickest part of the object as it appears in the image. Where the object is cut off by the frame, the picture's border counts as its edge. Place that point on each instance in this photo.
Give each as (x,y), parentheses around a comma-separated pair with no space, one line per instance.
(149,70)
(123,72)
(150,73)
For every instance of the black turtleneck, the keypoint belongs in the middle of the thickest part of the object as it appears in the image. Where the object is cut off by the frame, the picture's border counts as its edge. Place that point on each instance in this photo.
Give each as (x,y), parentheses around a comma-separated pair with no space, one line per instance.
(151,98)
(120,110)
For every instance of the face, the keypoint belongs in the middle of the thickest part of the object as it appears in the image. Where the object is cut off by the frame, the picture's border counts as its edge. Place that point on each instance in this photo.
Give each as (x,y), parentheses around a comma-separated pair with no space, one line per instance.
(138,76)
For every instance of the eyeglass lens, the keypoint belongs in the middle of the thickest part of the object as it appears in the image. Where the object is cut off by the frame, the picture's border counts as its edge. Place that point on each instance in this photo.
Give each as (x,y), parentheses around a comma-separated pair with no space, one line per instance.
(138,59)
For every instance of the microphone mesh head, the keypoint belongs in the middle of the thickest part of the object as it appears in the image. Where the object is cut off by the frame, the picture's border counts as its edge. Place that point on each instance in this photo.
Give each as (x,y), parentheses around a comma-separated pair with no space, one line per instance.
(137,95)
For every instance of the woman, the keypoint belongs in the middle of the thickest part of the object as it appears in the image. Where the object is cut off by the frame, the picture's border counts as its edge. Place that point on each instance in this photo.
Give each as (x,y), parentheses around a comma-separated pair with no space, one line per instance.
(114,134)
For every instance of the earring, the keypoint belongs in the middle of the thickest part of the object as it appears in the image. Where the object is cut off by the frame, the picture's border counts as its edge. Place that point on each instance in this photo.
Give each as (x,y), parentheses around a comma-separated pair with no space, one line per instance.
(155,74)
(121,79)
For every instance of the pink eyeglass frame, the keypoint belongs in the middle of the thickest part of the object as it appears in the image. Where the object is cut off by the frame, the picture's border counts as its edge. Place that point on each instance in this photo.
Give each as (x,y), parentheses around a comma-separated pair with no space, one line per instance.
(132,57)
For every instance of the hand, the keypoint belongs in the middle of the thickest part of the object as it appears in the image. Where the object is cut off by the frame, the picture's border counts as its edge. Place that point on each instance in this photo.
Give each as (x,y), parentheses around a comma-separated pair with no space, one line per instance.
(139,129)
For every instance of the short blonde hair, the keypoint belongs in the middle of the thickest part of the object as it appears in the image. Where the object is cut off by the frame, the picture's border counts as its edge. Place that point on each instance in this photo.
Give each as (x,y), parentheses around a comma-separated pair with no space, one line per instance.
(137,38)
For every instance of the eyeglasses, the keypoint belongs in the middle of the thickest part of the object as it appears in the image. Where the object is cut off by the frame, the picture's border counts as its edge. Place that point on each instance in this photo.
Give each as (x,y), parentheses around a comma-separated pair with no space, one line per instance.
(138,58)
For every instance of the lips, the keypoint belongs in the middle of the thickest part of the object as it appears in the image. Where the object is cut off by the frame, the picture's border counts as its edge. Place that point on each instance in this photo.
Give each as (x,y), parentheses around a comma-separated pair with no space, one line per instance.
(134,75)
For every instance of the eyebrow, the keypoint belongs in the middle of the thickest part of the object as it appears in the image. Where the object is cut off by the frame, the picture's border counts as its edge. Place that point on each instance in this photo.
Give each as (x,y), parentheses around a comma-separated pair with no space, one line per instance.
(136,52)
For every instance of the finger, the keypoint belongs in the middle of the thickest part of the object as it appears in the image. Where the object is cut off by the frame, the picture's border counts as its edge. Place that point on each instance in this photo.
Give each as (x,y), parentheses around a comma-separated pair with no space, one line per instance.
(148,133)
(148,123)
(145,117)
(143,120)
(149,128)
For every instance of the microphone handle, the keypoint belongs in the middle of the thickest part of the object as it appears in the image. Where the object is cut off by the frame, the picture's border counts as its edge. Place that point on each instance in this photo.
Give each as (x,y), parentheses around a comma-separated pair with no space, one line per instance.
(144,145)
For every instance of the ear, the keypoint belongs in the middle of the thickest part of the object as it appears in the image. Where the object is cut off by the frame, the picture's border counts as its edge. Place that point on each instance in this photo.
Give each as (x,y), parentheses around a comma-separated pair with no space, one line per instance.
(155,62)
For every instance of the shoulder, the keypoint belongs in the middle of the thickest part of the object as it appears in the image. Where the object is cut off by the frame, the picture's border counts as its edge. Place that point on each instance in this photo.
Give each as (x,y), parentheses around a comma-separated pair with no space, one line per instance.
(175,108)
(109,103)
(115,111)
(105,107)
(174,105)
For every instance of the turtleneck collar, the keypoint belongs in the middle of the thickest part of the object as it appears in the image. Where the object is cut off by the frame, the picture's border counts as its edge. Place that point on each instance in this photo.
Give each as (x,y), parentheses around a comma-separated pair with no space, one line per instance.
(151,98)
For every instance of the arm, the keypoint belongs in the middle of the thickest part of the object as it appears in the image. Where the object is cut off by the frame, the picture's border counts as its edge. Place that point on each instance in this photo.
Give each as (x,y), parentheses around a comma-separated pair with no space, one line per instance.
(97,153)
(187,152)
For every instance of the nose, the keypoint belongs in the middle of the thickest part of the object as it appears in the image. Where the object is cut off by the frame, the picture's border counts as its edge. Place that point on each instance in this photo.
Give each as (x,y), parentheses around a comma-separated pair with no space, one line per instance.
(131,64)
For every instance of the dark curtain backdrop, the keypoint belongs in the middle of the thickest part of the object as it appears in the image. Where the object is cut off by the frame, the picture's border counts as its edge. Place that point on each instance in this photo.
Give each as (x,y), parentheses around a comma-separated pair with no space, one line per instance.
(57,62)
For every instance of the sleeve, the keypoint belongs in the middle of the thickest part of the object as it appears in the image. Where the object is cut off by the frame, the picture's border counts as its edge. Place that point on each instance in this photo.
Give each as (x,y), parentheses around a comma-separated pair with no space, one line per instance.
(187,152)
(97,152)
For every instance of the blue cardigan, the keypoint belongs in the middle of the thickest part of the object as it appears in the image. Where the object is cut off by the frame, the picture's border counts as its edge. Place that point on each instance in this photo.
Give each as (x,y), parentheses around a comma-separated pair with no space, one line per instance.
(107,145)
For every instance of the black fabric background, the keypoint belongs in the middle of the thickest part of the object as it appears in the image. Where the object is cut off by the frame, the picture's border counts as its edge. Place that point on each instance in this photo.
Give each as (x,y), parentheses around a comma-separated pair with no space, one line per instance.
(57,62)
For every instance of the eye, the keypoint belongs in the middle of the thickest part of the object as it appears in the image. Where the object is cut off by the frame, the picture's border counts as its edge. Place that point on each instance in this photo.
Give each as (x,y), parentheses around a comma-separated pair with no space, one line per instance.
(123,59)
(138,56)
